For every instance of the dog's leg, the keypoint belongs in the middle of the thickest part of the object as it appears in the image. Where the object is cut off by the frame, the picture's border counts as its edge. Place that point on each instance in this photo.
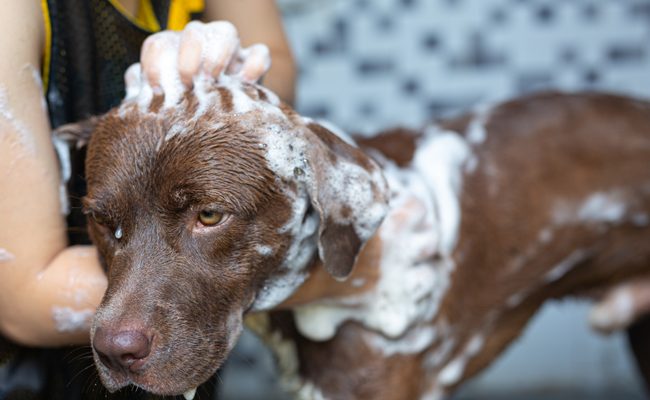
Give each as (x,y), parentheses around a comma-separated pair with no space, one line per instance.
(358,370)
(639,338)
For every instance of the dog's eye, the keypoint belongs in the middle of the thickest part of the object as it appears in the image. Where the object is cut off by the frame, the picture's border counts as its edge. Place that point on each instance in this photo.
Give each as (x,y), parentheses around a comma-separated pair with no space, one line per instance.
(210,217)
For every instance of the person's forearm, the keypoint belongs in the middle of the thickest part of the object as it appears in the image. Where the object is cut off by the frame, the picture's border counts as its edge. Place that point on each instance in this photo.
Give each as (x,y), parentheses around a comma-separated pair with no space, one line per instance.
(37,273)
(281,77)
(54,307)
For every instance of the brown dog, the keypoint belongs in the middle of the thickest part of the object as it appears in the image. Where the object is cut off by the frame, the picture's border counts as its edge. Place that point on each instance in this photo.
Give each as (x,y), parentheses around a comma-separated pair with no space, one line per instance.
(230,202)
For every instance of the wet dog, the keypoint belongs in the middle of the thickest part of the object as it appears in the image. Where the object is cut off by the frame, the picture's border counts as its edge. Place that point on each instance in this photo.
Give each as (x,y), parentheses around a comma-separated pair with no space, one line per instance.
(225,202)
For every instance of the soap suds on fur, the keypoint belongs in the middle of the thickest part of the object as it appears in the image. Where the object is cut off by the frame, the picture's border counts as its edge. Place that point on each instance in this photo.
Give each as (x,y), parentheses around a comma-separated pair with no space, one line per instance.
(476,132)
(264,250)
(600,207)
(413,342)
(441,157)
(566,265)
(453,371)
(412,282)
(65,167)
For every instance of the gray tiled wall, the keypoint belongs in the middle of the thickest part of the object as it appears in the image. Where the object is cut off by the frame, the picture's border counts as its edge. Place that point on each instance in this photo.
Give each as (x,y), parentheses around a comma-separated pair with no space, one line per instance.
(367,64)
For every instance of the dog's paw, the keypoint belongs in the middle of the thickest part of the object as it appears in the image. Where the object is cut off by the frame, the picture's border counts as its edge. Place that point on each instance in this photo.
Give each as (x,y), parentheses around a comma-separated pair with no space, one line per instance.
(173,62)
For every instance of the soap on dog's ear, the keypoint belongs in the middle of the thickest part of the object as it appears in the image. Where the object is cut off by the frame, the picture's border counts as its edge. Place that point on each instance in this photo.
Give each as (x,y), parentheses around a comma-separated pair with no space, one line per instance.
(350,193)
(76,134)
(69,141)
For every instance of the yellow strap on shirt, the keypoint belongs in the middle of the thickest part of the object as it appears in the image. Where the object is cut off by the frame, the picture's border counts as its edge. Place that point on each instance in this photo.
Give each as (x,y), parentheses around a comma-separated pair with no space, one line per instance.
(146,17)
(180,13)
(47,51)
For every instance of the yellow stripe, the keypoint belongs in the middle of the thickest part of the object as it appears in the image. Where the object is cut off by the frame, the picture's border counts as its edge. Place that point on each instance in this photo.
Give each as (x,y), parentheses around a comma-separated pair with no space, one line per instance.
(147,17)
(131,18)
(180,13)
(47,51)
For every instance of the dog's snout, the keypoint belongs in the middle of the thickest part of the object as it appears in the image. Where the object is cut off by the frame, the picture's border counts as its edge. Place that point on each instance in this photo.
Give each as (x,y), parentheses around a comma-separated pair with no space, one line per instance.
(122,349)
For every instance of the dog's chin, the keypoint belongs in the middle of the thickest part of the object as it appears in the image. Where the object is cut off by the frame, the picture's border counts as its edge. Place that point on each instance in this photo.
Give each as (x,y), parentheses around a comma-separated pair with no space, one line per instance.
(112,381)
(156,384)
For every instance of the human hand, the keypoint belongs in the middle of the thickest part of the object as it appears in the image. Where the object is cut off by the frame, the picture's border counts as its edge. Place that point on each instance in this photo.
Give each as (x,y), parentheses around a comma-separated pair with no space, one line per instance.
(622,306)
(172,62)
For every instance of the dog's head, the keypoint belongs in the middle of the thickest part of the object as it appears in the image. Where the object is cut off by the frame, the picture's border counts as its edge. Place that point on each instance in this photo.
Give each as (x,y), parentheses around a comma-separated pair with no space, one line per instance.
(206,209)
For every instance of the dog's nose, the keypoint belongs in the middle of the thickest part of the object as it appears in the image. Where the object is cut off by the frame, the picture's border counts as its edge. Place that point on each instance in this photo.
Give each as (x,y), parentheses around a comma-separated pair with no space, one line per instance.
(124,349)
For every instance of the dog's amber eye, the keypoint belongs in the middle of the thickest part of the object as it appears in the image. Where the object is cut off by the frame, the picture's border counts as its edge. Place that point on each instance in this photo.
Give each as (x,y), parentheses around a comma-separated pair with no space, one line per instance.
(209,217)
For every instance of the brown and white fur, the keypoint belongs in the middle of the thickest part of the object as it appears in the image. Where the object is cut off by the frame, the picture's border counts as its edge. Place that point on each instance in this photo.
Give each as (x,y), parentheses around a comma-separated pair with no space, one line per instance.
(553,197)
(485,217)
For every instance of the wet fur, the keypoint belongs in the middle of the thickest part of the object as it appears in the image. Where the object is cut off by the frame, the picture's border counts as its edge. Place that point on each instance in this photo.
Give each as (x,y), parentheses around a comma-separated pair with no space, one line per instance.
(186,288)
(153,194)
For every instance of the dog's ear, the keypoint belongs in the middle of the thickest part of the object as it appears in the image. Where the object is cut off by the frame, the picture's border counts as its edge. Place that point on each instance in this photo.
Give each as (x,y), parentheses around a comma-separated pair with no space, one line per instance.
(350,193)
(76,134)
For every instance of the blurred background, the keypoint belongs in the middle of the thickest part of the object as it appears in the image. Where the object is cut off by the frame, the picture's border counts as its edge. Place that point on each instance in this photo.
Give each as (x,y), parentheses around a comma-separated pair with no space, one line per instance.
(366,65)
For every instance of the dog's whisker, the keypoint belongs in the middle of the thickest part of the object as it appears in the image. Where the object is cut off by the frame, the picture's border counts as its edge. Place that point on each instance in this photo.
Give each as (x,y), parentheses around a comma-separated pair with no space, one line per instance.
(79,373)
(75,352)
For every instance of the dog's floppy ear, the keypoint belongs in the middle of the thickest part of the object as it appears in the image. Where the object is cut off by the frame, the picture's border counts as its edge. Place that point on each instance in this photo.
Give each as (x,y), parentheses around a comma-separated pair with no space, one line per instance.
(350,193)
(76,134)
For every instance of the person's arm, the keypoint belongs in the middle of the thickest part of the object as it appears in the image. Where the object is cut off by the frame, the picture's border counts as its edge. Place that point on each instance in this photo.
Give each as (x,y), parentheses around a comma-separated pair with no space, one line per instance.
(47,291)
(259,21)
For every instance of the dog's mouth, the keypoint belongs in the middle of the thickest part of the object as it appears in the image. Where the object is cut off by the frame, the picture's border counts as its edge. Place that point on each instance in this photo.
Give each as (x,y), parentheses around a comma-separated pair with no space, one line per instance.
(117,383)
(177,366)
(155,379)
